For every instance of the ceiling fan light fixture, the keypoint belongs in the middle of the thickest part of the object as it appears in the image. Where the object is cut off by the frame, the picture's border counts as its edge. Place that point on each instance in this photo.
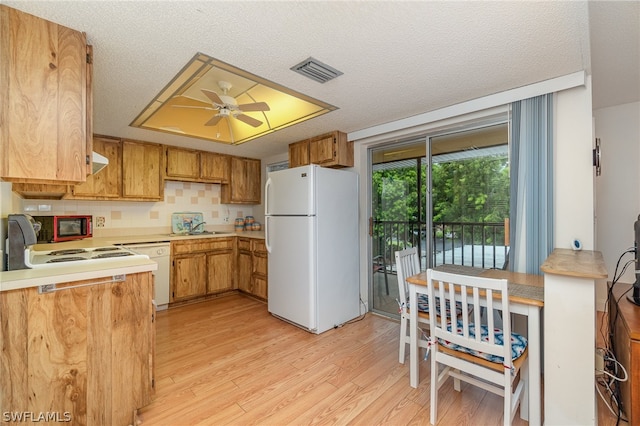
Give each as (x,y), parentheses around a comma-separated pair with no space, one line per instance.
(208,92)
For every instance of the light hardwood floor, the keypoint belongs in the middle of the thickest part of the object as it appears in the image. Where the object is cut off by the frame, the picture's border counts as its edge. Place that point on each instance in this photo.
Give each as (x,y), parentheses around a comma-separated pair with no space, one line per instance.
(227,361)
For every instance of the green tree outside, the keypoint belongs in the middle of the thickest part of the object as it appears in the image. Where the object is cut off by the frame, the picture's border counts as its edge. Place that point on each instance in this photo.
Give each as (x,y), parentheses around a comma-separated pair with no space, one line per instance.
(470,190)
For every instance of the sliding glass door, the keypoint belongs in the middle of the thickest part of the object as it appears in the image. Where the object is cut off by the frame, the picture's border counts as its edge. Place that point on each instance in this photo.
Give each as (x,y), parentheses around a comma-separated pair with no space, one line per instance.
(447,195)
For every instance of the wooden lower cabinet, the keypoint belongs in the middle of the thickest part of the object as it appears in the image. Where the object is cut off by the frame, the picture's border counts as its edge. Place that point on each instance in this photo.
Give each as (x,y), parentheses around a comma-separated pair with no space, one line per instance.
(189,276)
(201,267)
(83,354)
(252,267)
(259,261)
(220,271)
(626,346)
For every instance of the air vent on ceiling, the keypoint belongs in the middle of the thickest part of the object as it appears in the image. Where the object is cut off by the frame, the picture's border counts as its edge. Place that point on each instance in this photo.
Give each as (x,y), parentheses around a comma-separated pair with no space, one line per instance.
(316,70)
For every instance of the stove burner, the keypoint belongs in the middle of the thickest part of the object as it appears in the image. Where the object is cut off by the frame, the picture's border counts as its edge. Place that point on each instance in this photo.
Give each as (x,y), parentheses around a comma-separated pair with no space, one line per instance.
(112,254)
(107,248)
(68,251)
(65,259)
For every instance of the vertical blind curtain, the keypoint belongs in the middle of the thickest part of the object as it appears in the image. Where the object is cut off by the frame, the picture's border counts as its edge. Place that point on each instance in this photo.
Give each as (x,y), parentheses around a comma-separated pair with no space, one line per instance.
(531,202)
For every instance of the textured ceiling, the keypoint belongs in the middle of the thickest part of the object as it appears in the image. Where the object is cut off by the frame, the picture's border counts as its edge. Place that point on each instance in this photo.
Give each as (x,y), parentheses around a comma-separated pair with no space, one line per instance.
(399,58)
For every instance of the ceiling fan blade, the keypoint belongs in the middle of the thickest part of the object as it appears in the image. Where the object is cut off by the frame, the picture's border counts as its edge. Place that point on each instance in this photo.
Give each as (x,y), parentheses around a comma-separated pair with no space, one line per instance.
(194,107)
(249,120)
(213,121)
(257,106)
(213,96)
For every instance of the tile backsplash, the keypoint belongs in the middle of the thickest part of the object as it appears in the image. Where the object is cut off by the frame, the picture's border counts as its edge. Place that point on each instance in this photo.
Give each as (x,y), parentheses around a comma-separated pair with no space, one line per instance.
(138,217)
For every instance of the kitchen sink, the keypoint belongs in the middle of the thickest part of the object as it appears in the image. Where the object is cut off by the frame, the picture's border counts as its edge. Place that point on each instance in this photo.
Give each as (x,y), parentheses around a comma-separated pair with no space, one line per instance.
(189,234)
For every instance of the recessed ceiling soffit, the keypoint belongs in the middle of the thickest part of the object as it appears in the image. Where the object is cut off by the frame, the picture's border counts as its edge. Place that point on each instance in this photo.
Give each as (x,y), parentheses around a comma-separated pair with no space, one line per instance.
(215,101)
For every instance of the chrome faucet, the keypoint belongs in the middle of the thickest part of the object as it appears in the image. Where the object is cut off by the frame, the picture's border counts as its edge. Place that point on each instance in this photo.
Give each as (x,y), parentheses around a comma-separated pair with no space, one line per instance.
(193,229)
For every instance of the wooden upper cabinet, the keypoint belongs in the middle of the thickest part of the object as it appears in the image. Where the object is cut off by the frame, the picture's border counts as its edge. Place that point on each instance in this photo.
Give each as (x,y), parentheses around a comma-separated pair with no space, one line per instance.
(245,183)
(328,150)
(44,108)
(182,163)
(331,150)
(197,166)
(215,167)
(141,170)
(299,154)
(107,183)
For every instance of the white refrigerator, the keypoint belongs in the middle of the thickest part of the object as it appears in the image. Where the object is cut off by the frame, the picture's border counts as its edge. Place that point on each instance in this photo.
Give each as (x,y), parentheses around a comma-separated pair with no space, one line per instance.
(311,234)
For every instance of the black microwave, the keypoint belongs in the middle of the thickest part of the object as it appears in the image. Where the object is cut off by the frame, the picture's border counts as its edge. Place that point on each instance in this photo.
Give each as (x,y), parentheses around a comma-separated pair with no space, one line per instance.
(56,229)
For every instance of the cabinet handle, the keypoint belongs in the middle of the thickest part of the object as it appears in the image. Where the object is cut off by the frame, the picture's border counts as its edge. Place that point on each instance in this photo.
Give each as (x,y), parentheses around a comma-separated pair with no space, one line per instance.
(50,288)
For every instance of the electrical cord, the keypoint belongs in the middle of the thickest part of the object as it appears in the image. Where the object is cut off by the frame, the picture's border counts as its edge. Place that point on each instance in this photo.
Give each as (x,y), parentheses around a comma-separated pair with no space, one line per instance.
(610,381)
(360,318)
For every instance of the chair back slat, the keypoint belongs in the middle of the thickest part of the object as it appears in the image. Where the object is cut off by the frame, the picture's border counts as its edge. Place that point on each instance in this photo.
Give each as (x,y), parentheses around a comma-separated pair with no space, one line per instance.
(483,292)
(407,264)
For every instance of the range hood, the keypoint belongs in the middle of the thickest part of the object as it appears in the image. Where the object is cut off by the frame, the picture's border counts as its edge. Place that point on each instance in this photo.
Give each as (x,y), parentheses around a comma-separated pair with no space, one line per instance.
(99,162)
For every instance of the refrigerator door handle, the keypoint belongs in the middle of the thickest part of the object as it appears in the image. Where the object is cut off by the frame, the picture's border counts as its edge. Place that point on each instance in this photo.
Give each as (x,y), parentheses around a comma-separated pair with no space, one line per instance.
(266,234)
(266,197)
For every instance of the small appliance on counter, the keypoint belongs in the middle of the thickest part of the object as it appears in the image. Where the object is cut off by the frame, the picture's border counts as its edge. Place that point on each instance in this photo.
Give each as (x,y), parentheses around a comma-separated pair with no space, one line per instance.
(21,234)
(56,229)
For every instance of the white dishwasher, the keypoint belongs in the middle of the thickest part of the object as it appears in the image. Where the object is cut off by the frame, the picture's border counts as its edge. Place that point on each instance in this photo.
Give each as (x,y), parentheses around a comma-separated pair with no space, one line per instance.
(159,252)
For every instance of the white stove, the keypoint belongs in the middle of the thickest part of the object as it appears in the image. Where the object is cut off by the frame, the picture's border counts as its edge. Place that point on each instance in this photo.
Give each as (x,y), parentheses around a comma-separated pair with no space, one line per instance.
(57,258)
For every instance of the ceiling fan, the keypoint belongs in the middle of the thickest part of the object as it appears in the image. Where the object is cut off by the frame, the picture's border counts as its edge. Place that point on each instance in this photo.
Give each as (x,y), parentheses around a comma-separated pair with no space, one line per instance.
(227,106)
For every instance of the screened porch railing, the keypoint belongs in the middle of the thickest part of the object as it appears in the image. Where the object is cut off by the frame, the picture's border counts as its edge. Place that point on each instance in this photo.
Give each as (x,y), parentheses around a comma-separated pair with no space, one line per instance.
(479,244)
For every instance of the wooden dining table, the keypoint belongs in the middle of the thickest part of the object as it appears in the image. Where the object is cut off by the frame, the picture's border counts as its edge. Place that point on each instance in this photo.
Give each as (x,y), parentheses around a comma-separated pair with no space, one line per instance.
(526,297)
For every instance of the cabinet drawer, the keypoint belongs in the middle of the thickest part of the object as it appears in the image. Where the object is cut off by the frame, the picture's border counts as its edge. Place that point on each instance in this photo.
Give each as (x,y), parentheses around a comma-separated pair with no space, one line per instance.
(209,244)
(244,244)
(258,246)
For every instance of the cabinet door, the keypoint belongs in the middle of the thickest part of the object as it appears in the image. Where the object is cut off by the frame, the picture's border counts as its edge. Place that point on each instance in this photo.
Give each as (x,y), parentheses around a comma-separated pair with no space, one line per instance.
(86,336)
(259,287)
(189,277)
(259,264)
(141,174)
(244,186)
(322,151)
(106,183)
(215,167)
(182,163)
(253,181)
(220,271)
(244,271)
(44,106)
(299,154)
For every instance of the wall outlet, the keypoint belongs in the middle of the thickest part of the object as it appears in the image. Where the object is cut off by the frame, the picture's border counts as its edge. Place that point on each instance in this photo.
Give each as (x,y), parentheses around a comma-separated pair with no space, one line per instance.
(99,221)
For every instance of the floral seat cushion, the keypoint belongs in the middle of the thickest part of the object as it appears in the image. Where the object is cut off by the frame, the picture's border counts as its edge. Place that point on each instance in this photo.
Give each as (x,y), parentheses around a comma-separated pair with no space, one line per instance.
(423,305)
(518,343)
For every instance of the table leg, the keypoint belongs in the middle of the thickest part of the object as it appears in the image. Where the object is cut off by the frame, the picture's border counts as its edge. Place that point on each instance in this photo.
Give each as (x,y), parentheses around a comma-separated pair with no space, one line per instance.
(535,387)
(414,373)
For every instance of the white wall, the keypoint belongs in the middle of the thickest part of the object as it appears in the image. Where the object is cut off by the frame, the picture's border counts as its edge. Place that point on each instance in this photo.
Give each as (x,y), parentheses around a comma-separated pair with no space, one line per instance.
(618,187)
(574,171)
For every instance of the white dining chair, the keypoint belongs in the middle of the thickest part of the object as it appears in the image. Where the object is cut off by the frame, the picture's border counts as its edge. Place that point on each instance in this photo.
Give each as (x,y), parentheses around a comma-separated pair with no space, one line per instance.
(471,352)
(408,264)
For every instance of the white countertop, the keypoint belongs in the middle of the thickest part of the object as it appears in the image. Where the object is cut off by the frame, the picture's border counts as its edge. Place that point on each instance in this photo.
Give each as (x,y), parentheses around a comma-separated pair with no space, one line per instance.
(136,239)
(25,278)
